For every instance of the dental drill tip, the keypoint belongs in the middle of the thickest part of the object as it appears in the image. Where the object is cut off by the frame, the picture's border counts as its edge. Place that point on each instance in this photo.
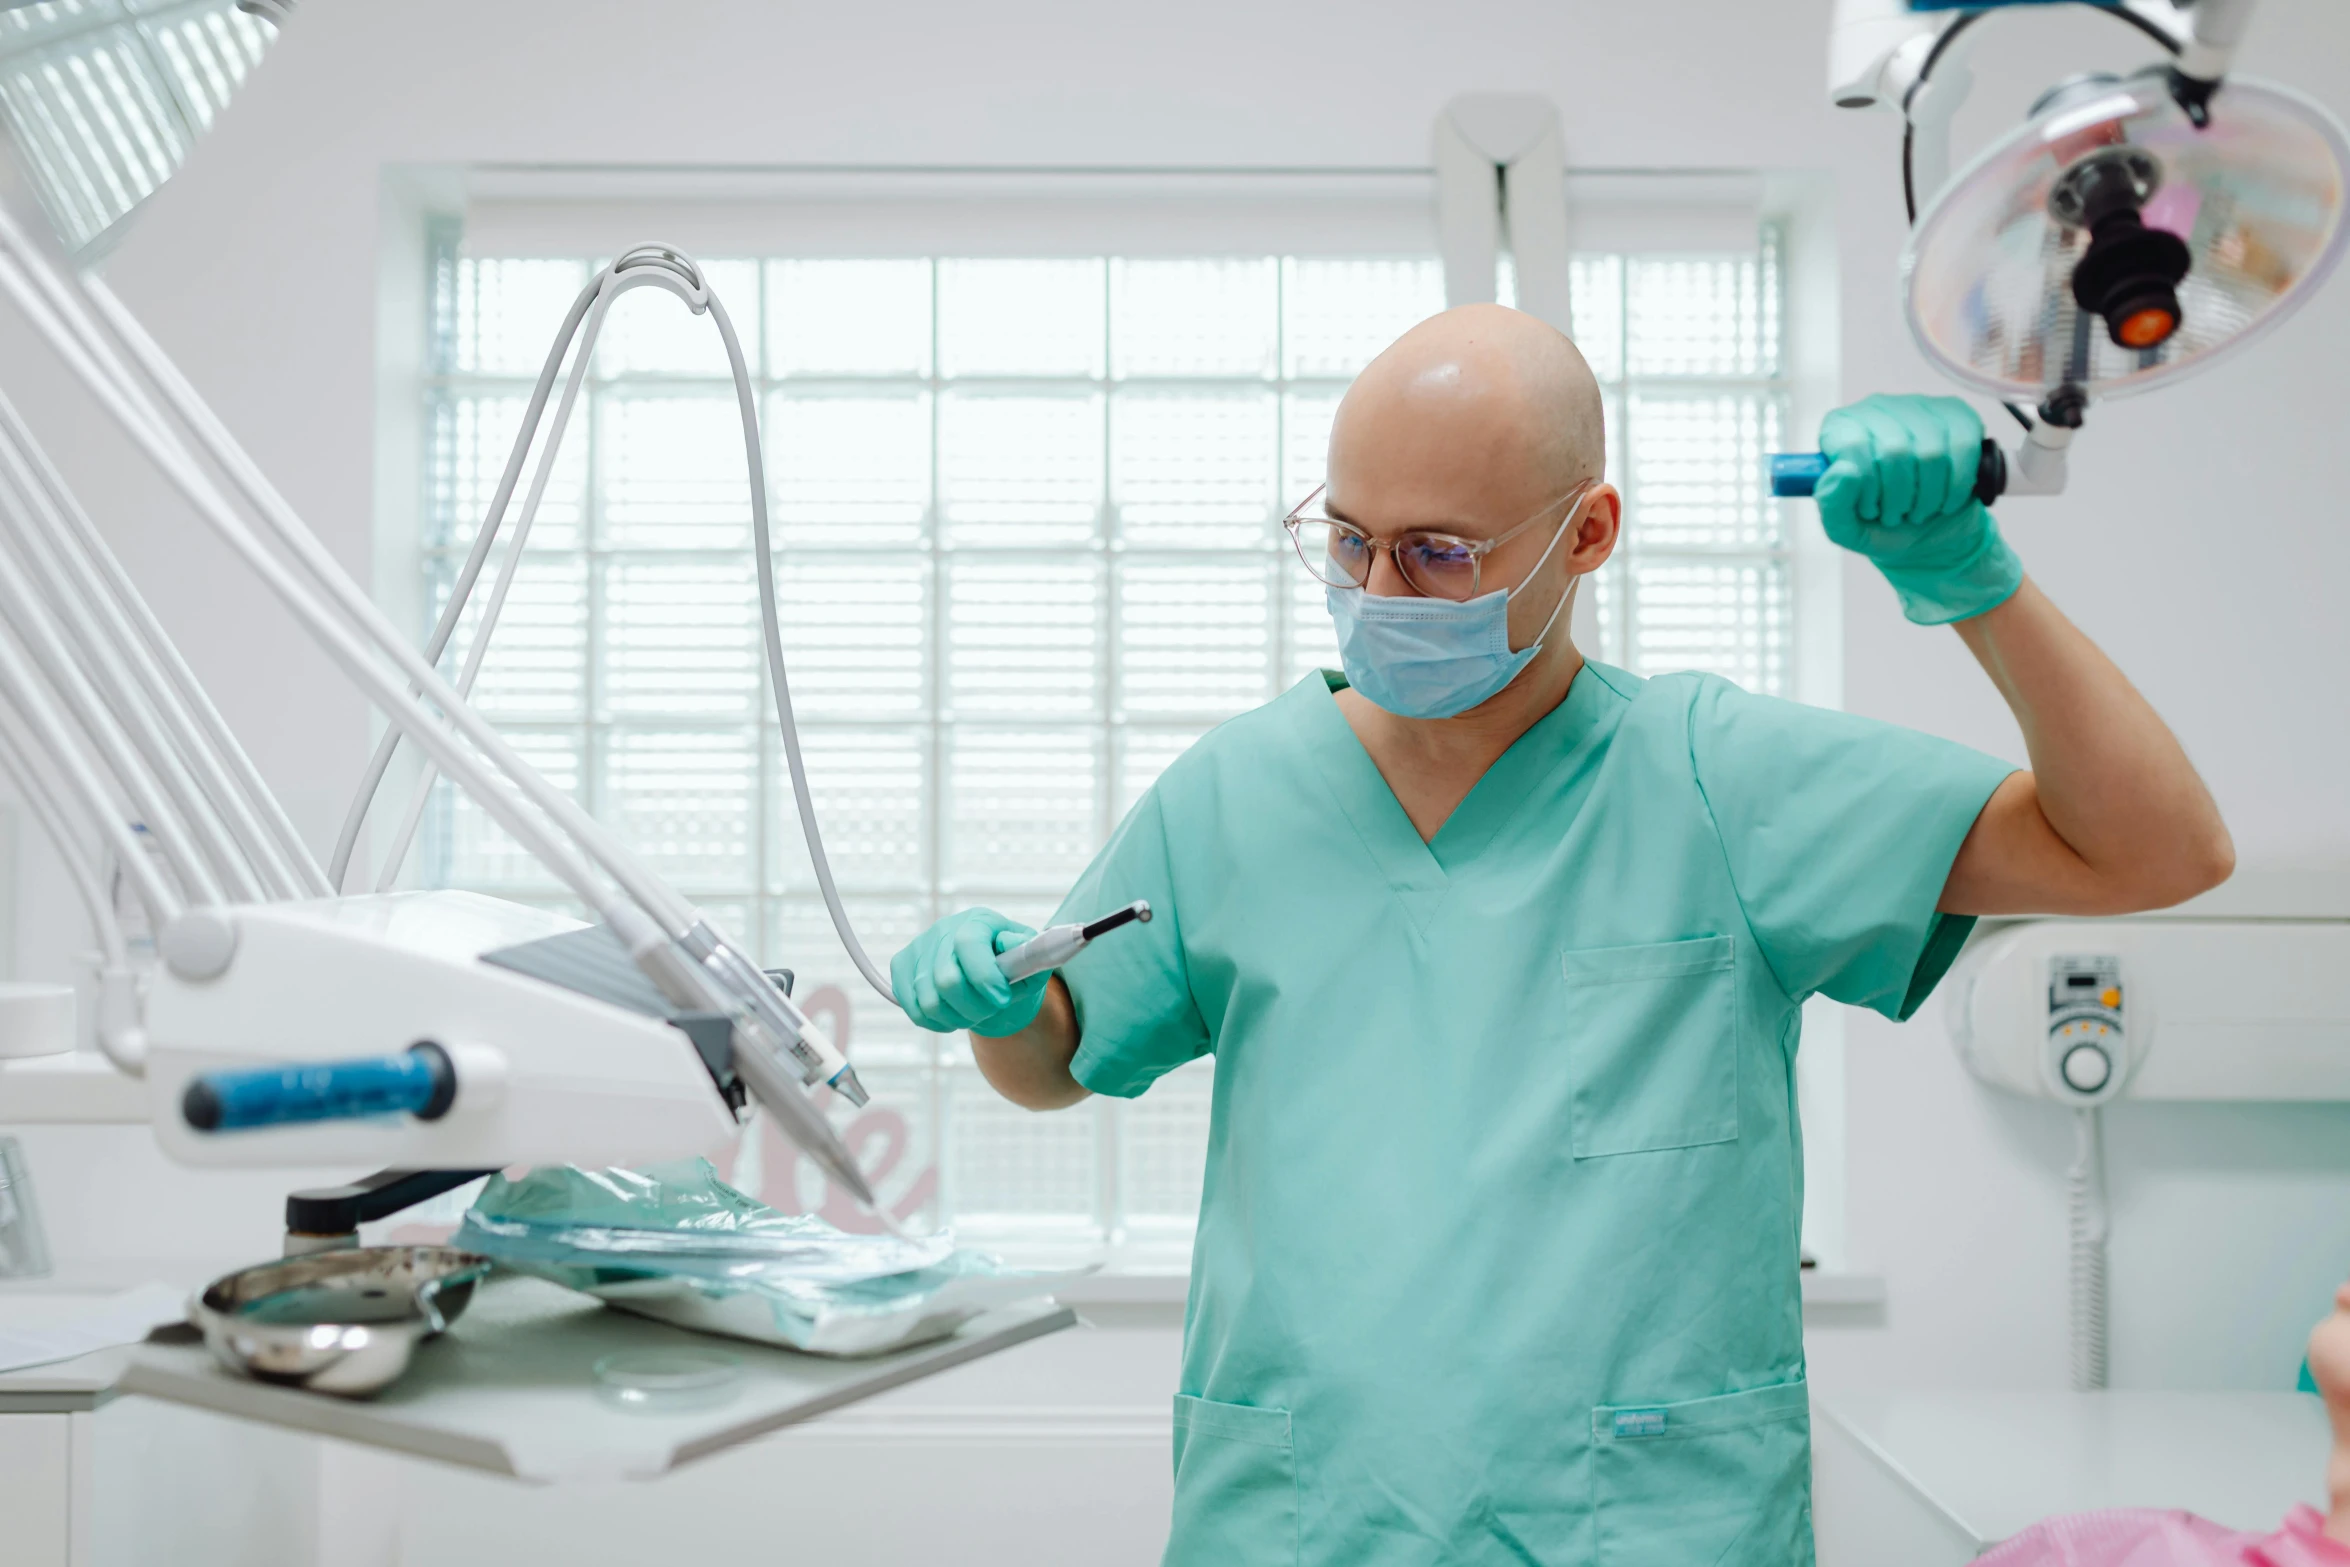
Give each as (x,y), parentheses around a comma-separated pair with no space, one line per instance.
(845,1084)
(1137,910)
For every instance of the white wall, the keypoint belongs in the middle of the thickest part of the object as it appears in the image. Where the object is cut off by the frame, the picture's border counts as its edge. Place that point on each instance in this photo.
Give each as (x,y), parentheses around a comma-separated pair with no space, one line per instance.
(2197,546)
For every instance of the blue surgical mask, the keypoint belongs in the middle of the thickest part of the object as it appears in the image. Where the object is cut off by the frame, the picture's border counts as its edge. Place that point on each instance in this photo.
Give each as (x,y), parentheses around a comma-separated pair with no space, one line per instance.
(1433,658)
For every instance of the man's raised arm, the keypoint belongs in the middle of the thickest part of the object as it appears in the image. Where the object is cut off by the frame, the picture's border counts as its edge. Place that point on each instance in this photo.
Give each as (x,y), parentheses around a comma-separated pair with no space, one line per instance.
(2112,818)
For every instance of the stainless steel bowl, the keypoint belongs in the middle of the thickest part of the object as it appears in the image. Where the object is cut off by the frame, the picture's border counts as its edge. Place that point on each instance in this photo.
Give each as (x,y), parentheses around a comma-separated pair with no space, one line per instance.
(340,1322)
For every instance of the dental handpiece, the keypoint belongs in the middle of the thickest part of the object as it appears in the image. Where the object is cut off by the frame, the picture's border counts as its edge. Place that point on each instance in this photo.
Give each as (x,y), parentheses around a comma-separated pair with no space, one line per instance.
(1057,944)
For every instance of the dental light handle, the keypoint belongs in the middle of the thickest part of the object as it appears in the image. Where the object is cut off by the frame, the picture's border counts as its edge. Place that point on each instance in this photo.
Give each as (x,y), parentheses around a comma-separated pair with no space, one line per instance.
(2038,466)
(1794,475)
(1799,473)
(1057,944)
(420,1081)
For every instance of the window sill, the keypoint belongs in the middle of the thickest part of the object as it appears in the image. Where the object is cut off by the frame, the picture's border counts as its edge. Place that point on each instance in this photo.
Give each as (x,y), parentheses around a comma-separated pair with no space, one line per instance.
(1133,1286)
(1840,1289)
(1128,1287)
(80,1087)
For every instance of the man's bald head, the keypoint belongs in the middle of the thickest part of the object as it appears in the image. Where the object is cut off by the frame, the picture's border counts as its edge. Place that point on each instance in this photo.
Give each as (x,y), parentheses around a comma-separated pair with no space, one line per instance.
(1469,414)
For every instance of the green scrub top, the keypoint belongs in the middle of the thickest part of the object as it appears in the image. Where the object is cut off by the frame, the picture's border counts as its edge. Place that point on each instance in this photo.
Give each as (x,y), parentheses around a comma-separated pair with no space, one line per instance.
(1497,1251)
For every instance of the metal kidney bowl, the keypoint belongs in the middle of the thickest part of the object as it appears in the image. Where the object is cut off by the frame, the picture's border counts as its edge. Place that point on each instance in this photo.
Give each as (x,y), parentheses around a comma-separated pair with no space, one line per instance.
(343,1322)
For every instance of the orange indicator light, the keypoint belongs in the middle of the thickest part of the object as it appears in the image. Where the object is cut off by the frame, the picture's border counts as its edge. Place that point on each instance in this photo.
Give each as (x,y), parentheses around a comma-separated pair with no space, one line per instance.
(2145,328)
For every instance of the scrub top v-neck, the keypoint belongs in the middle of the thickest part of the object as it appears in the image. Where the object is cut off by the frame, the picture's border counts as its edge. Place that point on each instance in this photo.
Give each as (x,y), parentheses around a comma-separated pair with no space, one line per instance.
(1497,1249)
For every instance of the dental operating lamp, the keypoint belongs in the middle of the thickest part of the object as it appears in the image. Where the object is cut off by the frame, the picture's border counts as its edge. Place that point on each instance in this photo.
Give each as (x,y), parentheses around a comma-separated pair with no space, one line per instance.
(2134,230)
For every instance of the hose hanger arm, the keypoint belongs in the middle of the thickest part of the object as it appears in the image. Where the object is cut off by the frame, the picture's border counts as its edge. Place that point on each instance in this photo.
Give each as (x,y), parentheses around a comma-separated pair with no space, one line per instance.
(52,661)
(125,697)
(118,1027)
(23,773)
(250,814)
(53,736)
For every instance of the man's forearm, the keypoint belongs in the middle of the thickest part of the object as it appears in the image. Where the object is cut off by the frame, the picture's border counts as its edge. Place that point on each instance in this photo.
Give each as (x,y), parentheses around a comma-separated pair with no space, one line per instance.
(1031,1068)
(2110,786)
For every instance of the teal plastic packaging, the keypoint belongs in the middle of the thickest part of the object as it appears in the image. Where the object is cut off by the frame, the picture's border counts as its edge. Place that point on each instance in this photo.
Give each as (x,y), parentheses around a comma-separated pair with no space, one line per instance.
(676,1242)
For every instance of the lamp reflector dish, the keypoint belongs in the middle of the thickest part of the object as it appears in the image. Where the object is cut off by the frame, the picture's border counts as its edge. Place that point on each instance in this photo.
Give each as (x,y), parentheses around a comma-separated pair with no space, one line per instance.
(2257,197)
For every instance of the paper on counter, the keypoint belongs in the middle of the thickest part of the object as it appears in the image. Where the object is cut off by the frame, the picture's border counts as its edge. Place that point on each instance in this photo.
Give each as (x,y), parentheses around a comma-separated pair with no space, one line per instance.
(123,1318)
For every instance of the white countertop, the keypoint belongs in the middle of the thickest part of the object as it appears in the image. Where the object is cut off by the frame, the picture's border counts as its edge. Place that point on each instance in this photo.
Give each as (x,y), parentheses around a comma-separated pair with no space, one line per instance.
(87,1380)
(1995,1463)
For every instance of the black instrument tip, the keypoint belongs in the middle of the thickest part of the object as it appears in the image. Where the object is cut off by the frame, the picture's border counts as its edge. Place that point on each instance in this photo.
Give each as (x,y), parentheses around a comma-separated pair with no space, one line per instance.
(1137,910)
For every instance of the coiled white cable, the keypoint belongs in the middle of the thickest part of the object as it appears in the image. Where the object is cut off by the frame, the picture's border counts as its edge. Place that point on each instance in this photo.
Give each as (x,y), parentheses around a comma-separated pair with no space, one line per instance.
(2089,1223)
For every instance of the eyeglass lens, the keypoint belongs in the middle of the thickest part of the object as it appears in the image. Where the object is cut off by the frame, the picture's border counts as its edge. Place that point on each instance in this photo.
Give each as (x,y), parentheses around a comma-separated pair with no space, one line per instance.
(1433,565)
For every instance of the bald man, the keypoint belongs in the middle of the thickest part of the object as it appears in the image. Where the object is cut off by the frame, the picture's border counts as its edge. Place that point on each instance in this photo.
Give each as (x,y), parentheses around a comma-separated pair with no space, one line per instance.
(1501,955)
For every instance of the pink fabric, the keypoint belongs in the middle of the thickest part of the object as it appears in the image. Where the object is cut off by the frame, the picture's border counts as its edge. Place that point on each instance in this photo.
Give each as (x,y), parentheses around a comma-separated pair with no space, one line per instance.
(2138,1537)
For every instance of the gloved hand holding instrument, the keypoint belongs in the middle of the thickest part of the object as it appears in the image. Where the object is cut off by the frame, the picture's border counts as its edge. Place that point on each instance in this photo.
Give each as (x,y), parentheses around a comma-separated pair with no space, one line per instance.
(981,971)
(1902,486)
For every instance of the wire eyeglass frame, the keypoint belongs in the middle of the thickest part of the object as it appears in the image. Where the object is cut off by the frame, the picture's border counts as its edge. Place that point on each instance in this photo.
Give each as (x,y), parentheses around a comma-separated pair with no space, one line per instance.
(1411,538)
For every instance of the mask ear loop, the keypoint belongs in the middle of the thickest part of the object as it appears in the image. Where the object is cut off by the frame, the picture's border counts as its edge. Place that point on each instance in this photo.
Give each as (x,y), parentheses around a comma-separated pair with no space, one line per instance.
(1575,508)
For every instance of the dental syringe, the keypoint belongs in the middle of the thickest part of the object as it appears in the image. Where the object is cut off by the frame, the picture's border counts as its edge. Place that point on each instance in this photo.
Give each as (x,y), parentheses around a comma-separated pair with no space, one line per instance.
(1057,944)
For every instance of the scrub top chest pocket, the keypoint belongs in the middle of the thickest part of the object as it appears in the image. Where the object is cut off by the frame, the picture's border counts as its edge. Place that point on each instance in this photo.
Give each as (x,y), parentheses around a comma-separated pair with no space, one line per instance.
(1652,1045)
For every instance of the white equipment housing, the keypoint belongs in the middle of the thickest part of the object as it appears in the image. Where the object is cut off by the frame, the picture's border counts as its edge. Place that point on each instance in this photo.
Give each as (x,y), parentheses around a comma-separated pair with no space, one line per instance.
(545,1075)
(2208,1009)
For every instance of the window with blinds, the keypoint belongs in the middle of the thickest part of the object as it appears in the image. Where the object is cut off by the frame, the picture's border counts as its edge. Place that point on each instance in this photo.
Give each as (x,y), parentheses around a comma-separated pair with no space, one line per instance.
(1027,531)
(105,97)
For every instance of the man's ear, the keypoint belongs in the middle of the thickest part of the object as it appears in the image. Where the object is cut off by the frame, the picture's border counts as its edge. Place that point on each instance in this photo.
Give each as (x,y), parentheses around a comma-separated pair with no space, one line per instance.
(1596,533)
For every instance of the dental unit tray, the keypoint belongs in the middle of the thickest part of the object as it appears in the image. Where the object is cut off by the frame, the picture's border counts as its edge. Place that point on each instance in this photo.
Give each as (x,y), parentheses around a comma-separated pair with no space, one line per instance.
(512,1389)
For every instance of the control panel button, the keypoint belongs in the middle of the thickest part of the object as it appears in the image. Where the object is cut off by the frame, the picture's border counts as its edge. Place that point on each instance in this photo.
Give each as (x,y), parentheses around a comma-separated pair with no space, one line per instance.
(2086,1068)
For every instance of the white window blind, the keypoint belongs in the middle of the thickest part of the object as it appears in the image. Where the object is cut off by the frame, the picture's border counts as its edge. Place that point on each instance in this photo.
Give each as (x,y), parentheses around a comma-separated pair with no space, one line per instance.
(1026,517)
(105,97)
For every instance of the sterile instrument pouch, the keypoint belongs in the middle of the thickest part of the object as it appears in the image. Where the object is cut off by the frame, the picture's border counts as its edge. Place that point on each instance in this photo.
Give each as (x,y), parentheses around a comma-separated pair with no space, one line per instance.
(675,1242)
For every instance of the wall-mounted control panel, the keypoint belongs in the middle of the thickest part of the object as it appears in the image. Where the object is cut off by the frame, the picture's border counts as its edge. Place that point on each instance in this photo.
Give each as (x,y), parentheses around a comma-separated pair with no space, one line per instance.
(2087,1055)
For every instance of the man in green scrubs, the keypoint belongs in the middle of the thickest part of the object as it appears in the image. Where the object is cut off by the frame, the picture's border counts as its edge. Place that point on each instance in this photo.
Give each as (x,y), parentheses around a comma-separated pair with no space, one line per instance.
(1501,954)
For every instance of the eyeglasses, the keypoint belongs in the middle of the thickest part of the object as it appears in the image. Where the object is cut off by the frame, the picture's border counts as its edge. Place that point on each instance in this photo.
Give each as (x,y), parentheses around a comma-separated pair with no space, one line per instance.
(1438,565)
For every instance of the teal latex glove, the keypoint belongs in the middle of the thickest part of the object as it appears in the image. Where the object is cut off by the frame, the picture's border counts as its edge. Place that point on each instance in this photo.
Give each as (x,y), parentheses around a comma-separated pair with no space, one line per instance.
(1900,489)
(947,977)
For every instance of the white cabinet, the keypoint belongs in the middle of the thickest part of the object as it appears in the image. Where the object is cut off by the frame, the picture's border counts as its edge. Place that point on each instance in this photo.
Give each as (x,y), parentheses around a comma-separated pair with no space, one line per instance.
(132,1483)
(36,1490)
